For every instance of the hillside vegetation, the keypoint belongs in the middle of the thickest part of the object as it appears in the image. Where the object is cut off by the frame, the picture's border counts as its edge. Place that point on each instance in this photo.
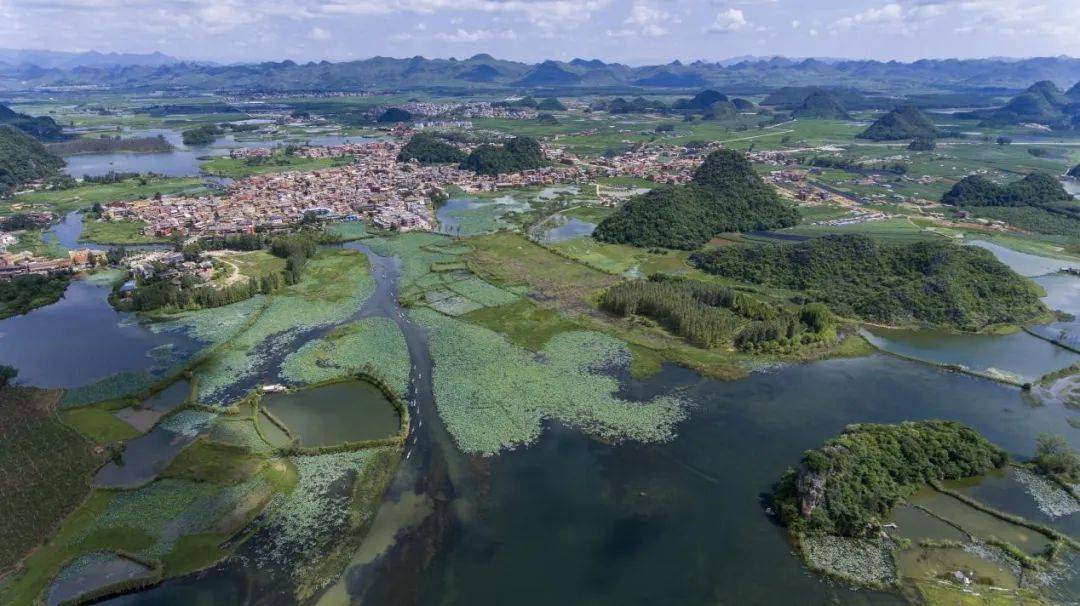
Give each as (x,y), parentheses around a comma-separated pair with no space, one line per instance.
(519,153)
(426,148)
(42,128)
(23,159)
(850,484)
(725,195)
(821,104)
(904,122)
(1037,203)
(935,283)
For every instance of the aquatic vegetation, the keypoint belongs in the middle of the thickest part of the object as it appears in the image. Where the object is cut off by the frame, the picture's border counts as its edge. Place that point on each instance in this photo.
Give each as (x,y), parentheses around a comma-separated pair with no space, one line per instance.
(212,325)
(334,286)
(1052,499)
(493,395)
(169,509)
(862,561)
(311,529)
(188,423)
(345,350)
(417,252)
(114,386)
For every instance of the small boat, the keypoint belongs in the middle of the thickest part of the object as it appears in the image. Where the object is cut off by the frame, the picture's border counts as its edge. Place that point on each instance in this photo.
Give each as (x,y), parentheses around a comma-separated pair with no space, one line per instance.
(274,388)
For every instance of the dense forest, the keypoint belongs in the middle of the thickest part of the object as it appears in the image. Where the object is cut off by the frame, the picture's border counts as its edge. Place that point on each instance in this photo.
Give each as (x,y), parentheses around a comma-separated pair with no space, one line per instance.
(936,283)
(710,315)
(426,148)
(904,122)
(1037,203)
(519,153)
(725,195)
(42,128)
(22,159)
(849,485)
(20,294)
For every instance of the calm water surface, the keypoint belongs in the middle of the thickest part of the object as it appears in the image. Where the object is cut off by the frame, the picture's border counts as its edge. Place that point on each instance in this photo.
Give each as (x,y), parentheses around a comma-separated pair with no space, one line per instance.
(81,339)
(335,413)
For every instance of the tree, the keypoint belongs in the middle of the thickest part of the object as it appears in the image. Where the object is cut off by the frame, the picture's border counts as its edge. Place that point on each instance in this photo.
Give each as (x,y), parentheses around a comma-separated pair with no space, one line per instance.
(1054,456)
(7,373)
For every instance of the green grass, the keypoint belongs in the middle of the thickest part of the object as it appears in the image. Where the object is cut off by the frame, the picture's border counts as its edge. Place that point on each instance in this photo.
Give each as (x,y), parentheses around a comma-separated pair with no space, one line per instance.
(352,230)
(207,461)
(255,264)
(34,242)
(85,196)
(98,424)
(240,167)
(115,232)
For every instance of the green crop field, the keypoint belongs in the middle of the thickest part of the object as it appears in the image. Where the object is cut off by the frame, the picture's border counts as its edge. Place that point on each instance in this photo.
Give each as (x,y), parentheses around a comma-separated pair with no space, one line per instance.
(45,470)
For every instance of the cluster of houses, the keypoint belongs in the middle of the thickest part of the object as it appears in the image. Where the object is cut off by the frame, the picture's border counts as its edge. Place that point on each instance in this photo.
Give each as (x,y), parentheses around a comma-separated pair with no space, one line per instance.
(25,263)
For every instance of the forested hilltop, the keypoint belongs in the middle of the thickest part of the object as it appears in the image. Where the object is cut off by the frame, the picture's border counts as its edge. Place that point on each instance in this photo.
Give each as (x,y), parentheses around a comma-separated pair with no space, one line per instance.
(904,122)
(933,283)
(22,159)
(849,485)
(1037,203)
(42,128)
(725,195)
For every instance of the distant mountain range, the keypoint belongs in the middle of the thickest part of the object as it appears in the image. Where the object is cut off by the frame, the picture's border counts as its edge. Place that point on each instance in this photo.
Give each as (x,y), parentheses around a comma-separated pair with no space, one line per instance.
(28,69)
(46,59)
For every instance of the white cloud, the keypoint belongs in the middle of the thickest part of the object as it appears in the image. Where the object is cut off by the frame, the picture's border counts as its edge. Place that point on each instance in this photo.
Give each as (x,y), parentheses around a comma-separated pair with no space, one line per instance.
(646,20)
(318,33)
(479,35)
(728,21)
(795,24)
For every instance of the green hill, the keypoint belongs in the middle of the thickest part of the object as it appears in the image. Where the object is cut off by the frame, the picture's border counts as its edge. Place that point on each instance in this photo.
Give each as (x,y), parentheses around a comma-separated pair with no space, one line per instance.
(1035,189)
(551,104)
(42,128)
(848,486)
(395,114)
(743,105)
(822,105)
(1037,203)
(1042,102)
(22,159)
(930,283)
(1073,93)
(519,153)
(904,122)
(426,148)
(725,195)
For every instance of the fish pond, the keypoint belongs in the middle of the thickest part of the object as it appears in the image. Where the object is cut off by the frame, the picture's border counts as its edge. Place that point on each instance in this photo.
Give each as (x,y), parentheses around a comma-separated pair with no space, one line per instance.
(347,411)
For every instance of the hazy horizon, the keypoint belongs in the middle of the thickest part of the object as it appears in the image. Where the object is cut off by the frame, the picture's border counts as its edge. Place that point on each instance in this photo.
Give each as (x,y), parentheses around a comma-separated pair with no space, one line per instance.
(633,32)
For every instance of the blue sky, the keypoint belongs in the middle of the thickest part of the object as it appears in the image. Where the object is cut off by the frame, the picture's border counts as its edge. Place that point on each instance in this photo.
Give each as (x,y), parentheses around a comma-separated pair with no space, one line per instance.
(630,31)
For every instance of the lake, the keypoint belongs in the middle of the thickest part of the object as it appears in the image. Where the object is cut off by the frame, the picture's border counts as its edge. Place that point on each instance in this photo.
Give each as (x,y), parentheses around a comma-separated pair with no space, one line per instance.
(183,161)
(81,339)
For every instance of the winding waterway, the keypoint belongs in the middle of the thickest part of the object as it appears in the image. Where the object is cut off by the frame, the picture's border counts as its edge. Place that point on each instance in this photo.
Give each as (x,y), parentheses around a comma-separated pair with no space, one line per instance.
(578,521)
